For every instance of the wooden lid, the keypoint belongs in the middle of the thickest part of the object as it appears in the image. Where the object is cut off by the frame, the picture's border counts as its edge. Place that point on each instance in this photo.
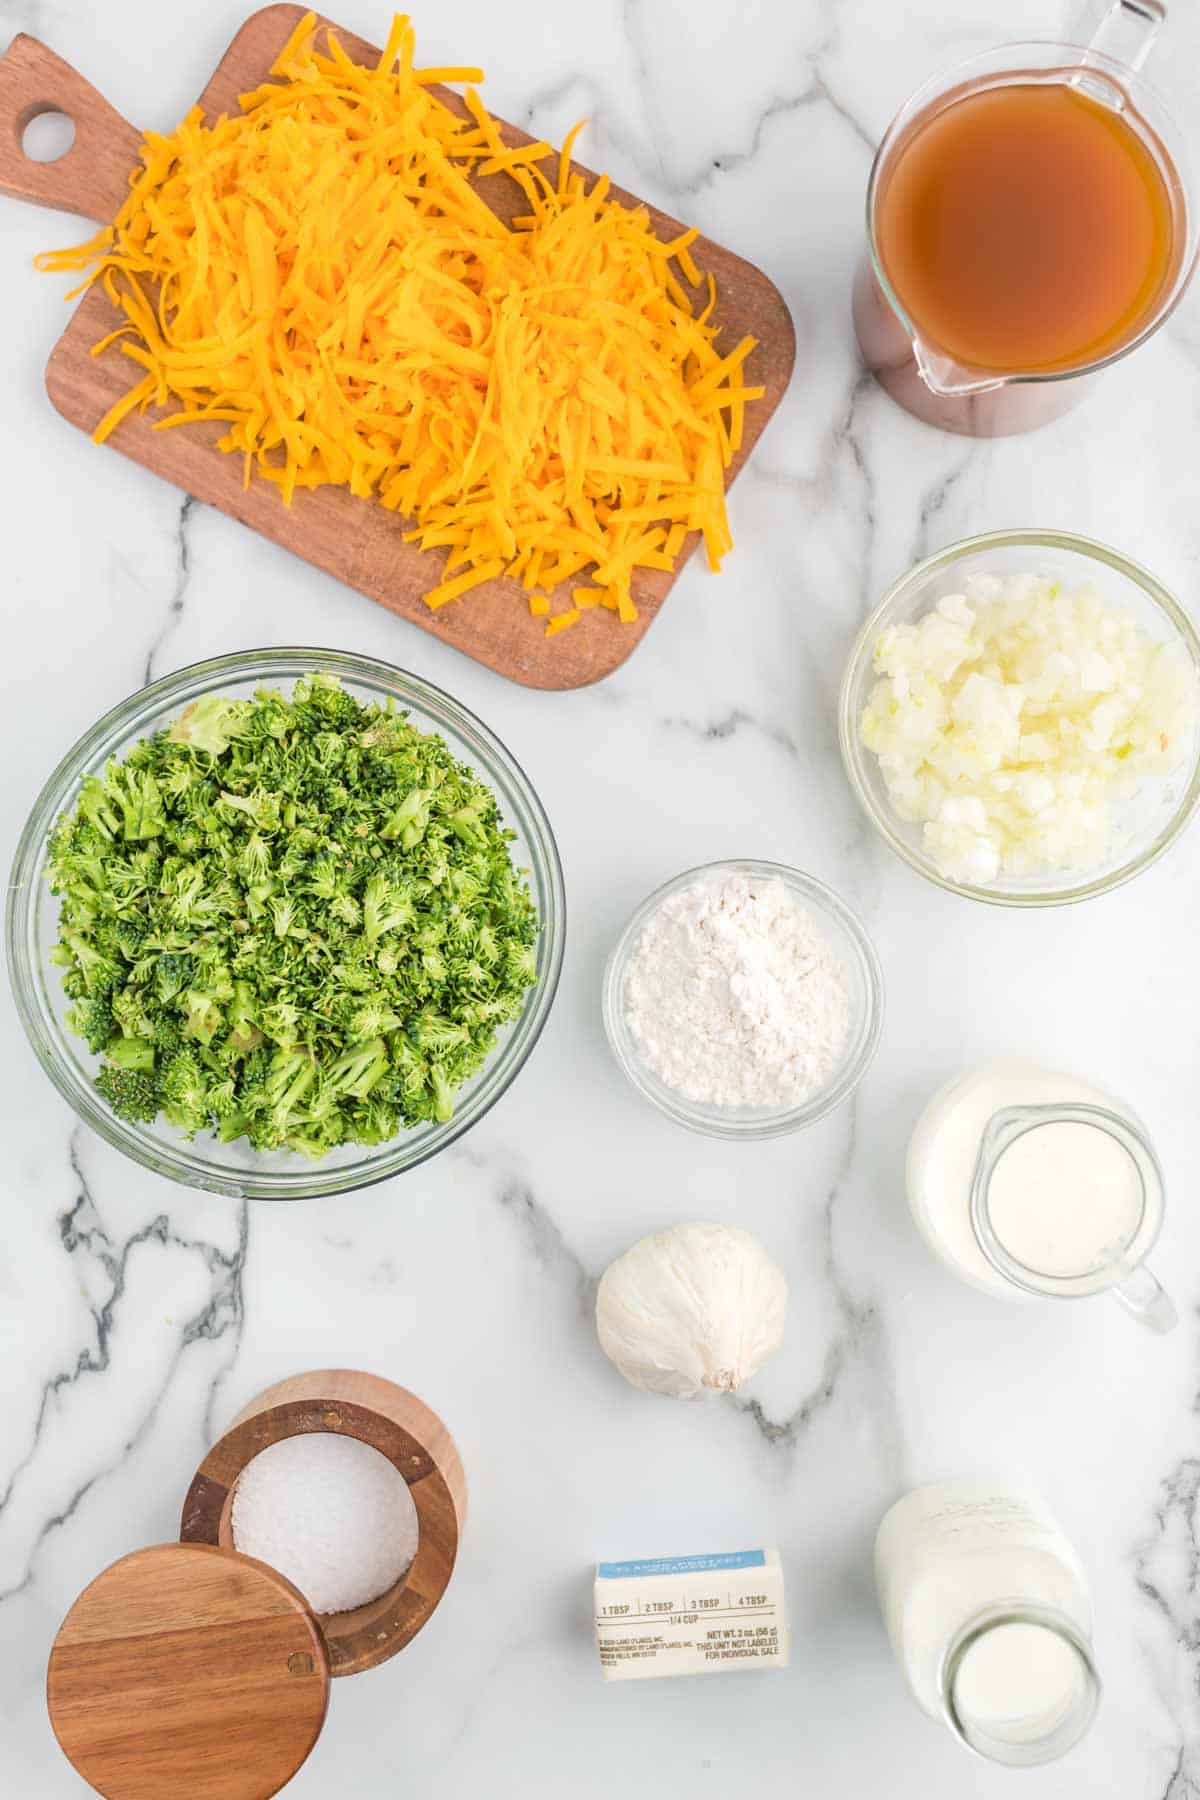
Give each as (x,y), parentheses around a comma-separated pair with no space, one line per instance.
(188,1671)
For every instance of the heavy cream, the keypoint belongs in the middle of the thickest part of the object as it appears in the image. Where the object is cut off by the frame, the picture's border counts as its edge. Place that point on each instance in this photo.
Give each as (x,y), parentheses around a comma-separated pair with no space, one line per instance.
(1066,1199)
(987,1609)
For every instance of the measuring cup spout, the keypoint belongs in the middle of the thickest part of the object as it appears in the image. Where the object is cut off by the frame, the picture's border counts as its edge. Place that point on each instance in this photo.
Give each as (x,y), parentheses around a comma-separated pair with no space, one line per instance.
(949,379)
(1143,1295)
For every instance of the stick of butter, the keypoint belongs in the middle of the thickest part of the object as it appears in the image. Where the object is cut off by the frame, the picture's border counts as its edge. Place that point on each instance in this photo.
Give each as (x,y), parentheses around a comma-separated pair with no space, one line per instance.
(691,1615)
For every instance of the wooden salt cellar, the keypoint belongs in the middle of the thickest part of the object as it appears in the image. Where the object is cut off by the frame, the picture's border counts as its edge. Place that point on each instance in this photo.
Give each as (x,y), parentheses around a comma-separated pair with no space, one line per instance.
(190,1670)
(413,1439)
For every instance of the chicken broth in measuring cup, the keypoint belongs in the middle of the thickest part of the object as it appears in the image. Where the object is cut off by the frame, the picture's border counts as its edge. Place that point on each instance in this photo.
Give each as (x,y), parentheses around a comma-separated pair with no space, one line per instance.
(1029,217)
(1027,227)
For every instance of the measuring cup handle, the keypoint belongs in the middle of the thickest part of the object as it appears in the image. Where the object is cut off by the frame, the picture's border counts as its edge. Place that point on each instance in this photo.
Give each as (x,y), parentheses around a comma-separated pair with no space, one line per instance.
(1142,1294)
(1127,31)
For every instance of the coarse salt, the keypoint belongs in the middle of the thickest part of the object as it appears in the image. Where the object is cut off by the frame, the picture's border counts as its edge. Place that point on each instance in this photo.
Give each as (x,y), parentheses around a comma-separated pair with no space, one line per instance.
(734,996)
(329,1512)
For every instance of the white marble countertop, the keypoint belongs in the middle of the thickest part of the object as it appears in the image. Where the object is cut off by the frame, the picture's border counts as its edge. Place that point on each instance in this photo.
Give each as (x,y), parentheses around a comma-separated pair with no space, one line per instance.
(136,1317)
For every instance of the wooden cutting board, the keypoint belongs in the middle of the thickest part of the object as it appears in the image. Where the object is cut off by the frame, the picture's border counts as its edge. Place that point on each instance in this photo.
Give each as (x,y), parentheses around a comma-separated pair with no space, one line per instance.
(356,540)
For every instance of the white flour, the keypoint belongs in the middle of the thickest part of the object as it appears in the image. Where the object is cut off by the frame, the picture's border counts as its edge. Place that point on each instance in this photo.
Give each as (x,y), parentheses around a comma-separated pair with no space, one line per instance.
(734,996)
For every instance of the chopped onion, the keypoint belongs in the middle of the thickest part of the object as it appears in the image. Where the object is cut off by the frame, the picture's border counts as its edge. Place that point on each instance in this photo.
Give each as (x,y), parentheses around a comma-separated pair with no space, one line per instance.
(1009,719)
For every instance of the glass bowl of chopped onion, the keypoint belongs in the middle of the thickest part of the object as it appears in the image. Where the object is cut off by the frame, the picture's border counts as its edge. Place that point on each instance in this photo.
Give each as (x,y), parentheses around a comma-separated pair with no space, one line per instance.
(772,1059)
(203,1160)
(1019,718)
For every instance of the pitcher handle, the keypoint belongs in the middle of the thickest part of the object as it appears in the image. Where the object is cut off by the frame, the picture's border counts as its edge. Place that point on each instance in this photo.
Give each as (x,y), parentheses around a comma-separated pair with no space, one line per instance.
(1127,32)
(1143,1295)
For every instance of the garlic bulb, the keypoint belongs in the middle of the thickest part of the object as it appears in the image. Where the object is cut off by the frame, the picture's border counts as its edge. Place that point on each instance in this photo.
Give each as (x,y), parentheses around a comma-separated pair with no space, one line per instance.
(693,1310)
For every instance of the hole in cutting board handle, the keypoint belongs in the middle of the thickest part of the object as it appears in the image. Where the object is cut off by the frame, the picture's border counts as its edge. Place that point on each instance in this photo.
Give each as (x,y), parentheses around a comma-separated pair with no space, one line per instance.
(47,133)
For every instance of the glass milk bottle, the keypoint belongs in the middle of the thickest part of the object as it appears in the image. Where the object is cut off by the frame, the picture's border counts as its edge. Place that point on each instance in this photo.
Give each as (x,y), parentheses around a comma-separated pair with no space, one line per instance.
(987,1608)
(1025,1181)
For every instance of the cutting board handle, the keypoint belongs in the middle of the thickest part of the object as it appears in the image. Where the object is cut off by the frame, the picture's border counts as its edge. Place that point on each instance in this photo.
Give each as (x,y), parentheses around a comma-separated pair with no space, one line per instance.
(93,177)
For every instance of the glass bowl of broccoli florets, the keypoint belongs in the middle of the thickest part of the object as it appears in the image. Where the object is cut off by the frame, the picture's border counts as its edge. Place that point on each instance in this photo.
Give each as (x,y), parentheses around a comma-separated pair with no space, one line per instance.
(285,923)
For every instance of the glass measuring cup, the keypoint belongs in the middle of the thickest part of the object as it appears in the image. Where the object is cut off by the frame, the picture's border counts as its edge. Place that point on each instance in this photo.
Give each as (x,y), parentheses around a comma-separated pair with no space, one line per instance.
(981,402)
(1117,1266)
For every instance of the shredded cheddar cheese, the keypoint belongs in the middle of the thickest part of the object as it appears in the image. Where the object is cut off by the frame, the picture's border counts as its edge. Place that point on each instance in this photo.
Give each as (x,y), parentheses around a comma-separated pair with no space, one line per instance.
(322,275)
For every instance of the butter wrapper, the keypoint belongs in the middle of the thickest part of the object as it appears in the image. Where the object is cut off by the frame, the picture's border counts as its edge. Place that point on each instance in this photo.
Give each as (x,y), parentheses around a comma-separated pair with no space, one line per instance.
(691,1615)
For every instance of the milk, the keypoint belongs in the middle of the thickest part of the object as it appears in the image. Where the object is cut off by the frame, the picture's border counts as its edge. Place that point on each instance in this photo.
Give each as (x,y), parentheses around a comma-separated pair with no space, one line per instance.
(1065,1199)
(987,1609)
(1022,1680)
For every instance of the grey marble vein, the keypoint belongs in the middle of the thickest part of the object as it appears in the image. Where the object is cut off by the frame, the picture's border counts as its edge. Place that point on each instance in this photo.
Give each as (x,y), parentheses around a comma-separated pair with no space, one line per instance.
(781,106)
(80,1227)
(225,1315)
(859,1342)
(849,436)
(1167,1574)
(179,586)
(631,13)
(553,96)
(935,502)
(83,1233)
(543,1236)
(738,719)
(690,180)
(1182,1784)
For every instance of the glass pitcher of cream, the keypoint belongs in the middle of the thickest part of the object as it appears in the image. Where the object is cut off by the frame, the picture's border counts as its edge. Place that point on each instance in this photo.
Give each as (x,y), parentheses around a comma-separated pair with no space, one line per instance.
(1028,1182)
(1028,221)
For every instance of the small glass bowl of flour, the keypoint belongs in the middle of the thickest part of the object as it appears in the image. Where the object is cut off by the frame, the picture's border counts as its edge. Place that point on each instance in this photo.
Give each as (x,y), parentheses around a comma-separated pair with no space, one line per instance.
(744,999)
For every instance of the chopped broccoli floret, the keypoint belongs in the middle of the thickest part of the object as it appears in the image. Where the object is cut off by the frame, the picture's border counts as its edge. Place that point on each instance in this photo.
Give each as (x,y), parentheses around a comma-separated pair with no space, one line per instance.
(296,920)
(183,1090)
(357,1070)
(172,973)
(132,1095)
(93,1019)
(136,1054)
